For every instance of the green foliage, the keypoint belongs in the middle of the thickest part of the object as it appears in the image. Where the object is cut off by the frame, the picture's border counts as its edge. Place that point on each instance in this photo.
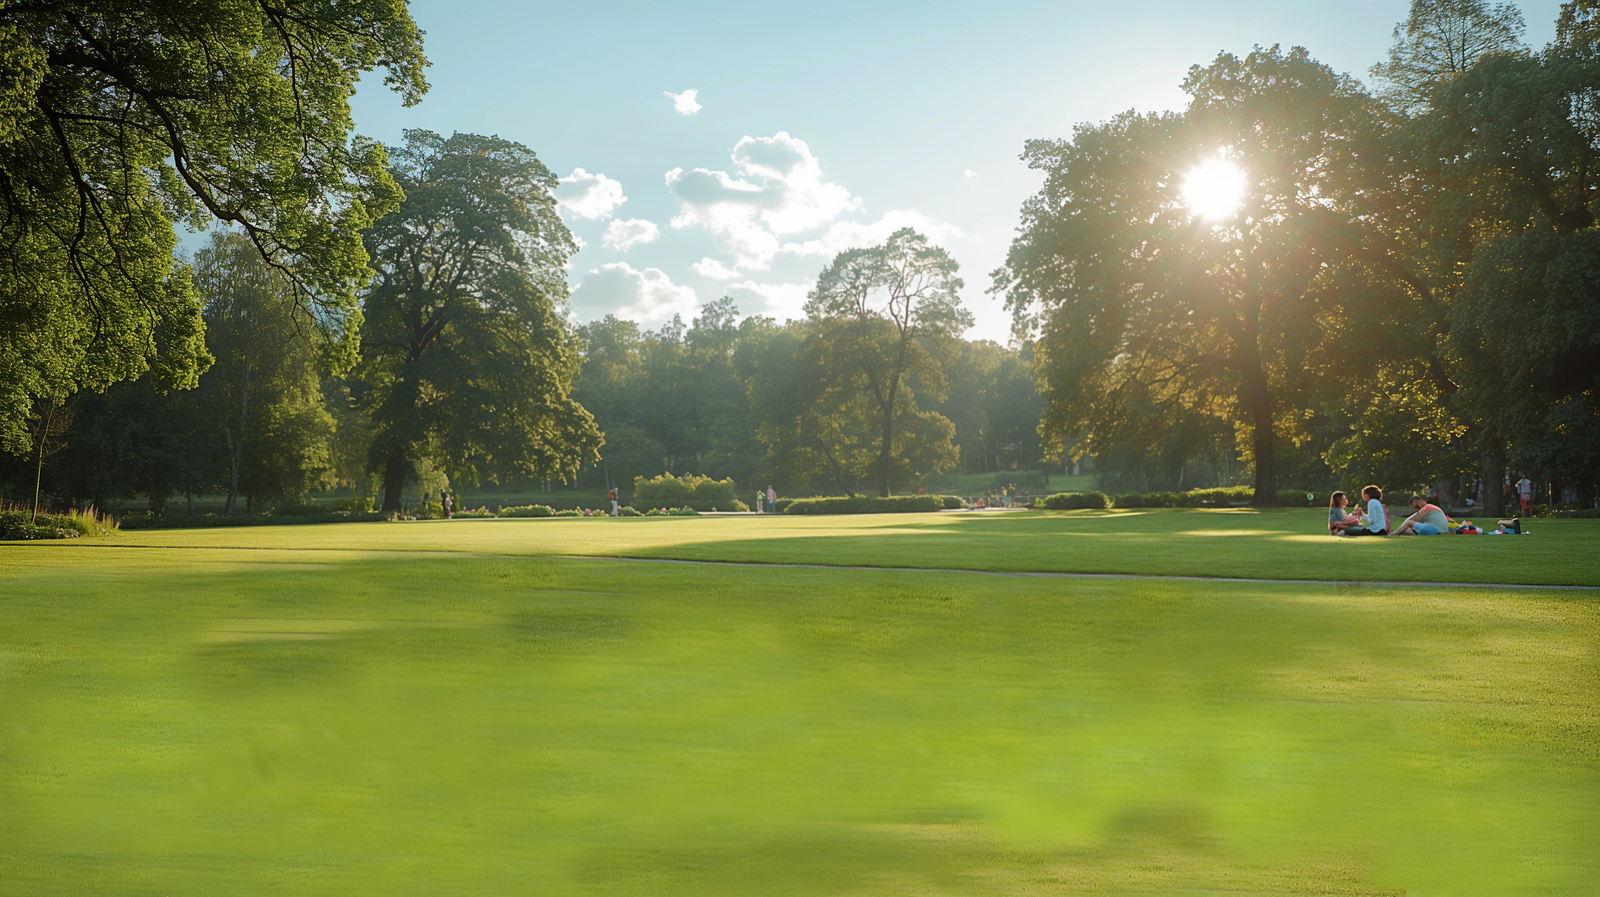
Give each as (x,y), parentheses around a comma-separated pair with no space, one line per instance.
(118,120)
(1145,316)
(263,397)
(671,512)
(468,358)
(1212,498)
(1074,501)
(868,504)
(19,524)
(528,511)
(627,511)
(1441,40)
(700,493)
(883,319)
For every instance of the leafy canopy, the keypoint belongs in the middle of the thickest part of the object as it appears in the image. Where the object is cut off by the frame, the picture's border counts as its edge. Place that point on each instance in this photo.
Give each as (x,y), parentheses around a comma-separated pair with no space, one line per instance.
(118,120)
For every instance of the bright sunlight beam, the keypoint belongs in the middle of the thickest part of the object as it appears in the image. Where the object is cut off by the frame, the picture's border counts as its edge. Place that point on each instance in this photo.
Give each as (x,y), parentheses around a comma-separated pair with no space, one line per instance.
(1214,190)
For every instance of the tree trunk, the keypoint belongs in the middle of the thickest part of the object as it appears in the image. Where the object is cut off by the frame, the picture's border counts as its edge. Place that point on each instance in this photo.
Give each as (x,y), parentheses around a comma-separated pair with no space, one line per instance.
(236,449)
(1492,465)
(394,480)
(884,451)
(1264,445)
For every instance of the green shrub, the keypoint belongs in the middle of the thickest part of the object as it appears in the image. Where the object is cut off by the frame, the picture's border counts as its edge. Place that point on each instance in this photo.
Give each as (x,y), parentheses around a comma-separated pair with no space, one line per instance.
(569,512)
(626,511)
(1074,501)
(952,502)
(1151,500)
(528,511)
(867,504)
(672,512)
(782,505)
(17,524)
(700,493)
(470,513)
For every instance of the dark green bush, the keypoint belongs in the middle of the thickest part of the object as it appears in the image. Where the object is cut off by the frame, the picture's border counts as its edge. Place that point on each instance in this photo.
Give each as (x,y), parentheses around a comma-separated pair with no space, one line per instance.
(626,511)
(782,504)
(18,526)
(952,502)
(867,504)
(672,512)
(700,493)
(1151,500)
(528,511)
(1074,501)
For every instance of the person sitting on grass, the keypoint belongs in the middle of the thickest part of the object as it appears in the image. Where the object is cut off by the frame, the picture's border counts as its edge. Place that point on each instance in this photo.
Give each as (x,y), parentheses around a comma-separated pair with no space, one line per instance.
(1511,527)
(1429,519)
(1339,519)
(1377,518)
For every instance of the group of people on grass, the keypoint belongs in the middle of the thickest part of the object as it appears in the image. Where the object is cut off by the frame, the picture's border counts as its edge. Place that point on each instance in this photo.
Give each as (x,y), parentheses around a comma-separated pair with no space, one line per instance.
(1427,518)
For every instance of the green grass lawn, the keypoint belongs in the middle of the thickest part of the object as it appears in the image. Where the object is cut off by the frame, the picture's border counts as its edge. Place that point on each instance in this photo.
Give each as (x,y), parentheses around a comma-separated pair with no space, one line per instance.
(1281,544)
(446,707)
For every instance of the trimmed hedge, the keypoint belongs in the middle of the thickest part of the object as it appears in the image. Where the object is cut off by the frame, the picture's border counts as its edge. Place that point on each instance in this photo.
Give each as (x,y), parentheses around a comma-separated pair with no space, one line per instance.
(868,504)
(672,512)
(700,493)
(1222,497)
(528,511)
(1074,501)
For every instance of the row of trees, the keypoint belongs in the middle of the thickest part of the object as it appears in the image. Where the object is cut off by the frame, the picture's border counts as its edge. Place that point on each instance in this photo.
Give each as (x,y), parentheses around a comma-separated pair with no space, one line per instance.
(754,400)
(1406,289)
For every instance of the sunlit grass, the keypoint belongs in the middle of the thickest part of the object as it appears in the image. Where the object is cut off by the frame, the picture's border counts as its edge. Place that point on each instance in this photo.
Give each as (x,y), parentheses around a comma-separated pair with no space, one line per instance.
(461,717)
(1282,544)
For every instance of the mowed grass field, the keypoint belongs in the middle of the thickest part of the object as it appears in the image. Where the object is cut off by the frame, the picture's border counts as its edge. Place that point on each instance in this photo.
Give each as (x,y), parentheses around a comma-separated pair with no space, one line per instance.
(467,707)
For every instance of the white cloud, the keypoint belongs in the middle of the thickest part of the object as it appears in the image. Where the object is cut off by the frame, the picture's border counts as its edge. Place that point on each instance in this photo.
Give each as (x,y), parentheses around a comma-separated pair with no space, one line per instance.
(777,300)
(647,296)
(589,195)
(777,189)
(846,234)
(686,103)
(624,234)
(714,269)
(969,176)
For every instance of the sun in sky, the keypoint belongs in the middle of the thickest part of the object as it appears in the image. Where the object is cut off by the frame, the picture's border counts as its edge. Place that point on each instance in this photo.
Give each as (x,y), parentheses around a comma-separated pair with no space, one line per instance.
(1214,190)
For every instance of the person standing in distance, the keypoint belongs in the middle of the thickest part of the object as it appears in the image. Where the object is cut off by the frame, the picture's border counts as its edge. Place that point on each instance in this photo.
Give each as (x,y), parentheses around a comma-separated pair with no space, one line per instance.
(772,500)
(1525,494)
(613,496)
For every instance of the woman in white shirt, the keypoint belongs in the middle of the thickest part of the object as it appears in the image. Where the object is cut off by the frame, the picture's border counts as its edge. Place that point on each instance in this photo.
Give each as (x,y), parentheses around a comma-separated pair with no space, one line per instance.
(1377,523)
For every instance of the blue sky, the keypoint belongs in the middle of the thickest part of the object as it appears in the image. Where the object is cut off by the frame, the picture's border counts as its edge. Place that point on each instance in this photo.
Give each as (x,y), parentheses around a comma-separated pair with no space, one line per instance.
(819,125)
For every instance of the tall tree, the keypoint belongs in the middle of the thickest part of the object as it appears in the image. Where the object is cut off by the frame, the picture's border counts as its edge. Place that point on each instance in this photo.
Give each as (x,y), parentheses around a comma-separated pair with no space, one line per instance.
(1141,299)
(264,393)
(469,359)
(1441,40)
(118,119)
(885,321)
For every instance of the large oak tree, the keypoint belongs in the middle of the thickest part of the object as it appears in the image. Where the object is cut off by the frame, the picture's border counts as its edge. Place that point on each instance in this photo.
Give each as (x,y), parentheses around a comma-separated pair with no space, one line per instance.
(468,356)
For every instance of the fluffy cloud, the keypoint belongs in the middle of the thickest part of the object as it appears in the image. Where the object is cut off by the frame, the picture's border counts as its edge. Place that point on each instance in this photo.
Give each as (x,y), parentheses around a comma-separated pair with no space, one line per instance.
(647,296)
(776,190)
(777,300)
(686,103)
(969,176)
(588,195)
(713,269)
(845,234)
(623,234)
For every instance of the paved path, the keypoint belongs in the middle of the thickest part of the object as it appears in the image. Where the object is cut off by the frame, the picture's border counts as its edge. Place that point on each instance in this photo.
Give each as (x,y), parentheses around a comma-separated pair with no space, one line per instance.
(1385,583)
(1056,575)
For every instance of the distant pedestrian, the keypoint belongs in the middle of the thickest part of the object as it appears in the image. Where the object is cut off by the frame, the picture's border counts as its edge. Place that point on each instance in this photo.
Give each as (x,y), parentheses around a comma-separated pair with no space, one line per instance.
(613,496)
(449,506)
(1525,493)
(772,500)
